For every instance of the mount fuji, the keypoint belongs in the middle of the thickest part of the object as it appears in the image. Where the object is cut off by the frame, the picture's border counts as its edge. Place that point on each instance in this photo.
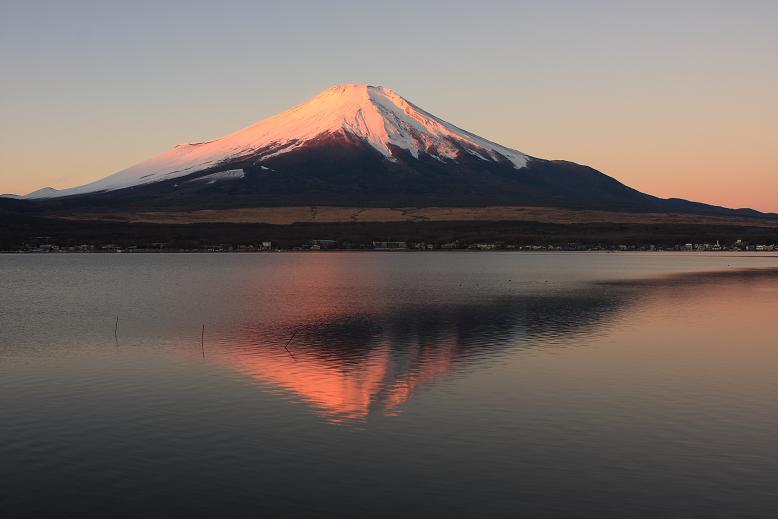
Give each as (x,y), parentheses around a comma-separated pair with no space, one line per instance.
(360,146)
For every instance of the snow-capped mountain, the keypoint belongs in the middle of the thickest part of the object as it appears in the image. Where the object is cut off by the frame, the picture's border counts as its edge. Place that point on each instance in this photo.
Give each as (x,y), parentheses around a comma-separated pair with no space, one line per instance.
(354,145)
(374,114)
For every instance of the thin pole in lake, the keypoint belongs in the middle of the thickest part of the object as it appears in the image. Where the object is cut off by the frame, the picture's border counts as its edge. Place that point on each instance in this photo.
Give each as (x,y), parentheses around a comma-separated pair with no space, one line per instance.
(202,340)
(286,346)
(116,329)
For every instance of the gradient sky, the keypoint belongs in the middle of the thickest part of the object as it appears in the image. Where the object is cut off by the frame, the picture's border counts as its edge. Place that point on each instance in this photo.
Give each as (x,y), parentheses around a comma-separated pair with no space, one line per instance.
(675,98)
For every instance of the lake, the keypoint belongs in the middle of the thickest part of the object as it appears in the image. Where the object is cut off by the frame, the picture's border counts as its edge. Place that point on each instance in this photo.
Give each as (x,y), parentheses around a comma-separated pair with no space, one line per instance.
(440,384)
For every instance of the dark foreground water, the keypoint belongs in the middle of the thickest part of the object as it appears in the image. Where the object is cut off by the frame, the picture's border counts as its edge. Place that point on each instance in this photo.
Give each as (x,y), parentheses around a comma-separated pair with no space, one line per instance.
(414,385)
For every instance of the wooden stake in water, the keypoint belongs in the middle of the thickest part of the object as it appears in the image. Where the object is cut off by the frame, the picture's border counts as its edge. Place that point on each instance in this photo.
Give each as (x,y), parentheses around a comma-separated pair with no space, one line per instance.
(286,346)
(202,340)
(116,328)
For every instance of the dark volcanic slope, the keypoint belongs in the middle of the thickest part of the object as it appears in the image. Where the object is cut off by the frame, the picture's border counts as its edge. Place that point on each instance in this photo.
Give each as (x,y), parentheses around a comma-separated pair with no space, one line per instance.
(342,170)
(360,146)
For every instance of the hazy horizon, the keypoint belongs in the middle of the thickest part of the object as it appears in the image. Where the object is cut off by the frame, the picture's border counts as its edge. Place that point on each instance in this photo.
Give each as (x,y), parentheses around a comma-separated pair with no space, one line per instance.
(673,100)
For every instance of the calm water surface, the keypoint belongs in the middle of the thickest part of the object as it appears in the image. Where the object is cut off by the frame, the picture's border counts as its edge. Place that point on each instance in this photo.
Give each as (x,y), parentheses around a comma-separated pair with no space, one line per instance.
(414,385)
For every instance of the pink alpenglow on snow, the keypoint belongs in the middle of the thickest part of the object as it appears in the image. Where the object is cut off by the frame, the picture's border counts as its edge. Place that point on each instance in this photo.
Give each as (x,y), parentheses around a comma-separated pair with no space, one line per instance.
(375,114)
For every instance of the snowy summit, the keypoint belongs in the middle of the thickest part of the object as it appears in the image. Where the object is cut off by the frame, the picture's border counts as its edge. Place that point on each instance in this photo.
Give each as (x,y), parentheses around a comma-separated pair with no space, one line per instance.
(374,114)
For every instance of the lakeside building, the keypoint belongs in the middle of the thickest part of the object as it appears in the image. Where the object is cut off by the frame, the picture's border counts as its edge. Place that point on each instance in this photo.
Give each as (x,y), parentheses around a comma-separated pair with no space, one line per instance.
(390,245)
(323,244)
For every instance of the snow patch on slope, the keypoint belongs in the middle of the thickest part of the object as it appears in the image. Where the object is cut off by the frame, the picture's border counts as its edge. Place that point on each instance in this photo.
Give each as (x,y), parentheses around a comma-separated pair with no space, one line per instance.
(230,174)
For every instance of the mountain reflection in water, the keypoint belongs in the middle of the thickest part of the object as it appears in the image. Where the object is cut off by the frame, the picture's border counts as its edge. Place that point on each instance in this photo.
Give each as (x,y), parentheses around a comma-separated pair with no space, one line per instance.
(348,366)
(462,385)
(352,365)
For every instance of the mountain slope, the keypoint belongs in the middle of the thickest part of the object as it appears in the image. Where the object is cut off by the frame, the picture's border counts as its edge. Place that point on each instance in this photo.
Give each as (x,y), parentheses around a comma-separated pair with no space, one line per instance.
(375,115)
(356,145)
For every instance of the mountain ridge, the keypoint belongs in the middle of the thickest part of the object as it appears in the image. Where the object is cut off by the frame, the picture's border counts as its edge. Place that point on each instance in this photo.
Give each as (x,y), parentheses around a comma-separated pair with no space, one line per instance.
(376,114)
(357,145)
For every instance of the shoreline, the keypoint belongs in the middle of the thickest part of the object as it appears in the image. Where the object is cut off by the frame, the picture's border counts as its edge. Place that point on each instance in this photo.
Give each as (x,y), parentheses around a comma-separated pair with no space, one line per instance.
(728,253)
